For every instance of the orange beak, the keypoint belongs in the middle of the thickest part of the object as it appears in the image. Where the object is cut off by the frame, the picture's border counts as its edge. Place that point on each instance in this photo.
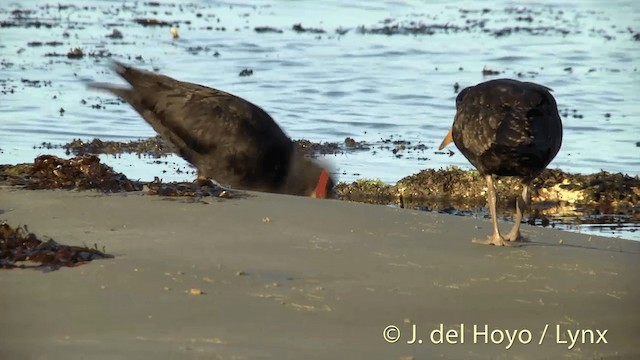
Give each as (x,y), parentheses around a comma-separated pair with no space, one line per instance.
(447,140)
(321,188)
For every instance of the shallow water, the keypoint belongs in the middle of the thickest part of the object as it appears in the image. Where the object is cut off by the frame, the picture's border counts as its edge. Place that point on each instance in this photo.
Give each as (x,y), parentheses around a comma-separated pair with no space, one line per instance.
(325,87)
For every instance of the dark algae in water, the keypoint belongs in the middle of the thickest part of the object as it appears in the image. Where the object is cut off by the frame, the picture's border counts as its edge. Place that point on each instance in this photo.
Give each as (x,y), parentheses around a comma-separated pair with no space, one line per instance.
(154,147)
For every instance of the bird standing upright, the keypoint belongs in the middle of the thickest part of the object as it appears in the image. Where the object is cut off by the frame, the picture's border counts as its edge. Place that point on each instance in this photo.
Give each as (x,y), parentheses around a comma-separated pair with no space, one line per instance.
(225,137)
(507,127)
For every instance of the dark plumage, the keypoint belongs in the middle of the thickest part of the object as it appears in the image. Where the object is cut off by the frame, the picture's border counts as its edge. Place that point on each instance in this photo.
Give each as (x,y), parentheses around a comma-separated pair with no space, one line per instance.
(507,127)
(224,136)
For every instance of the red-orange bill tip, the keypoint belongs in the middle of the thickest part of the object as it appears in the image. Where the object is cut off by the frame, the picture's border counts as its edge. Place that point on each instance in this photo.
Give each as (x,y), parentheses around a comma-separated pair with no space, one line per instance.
(321,188)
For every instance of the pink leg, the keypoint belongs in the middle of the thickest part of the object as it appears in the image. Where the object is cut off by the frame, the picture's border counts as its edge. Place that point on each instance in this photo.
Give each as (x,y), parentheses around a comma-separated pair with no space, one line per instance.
(522,205)
(495,238)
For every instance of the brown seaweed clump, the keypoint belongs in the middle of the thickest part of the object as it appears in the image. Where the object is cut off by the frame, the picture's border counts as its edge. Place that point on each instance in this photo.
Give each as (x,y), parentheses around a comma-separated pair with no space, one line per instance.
(82,172)
(21,249)
(311,148)
(86,172)
(599,193)
(368,191)
(611,193)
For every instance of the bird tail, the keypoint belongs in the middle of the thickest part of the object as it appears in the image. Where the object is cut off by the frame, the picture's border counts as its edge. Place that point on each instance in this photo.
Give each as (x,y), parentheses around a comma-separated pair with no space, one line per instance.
(124,92)
(131,75)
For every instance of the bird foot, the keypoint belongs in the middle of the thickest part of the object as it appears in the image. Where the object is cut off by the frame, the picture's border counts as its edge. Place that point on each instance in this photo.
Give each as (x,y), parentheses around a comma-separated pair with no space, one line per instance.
(515,237)
(495,239)
(209,187)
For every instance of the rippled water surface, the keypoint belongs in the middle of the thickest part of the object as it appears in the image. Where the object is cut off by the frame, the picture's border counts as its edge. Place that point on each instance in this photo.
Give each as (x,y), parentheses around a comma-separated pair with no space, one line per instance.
(350,81)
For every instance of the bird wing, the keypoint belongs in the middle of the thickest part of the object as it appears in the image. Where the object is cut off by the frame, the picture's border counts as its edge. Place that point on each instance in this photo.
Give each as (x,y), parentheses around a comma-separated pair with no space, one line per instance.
(502,109)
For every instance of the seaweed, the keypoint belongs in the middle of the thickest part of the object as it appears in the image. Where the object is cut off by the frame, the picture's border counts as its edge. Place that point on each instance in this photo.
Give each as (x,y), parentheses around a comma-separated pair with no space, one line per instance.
(20,248)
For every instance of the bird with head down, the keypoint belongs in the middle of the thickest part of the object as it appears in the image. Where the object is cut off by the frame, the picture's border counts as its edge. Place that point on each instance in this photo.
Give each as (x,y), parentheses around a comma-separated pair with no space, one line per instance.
(226,138)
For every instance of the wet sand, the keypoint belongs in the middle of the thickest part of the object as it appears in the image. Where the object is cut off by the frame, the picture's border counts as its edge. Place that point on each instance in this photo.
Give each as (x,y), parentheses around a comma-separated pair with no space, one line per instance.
(295,278)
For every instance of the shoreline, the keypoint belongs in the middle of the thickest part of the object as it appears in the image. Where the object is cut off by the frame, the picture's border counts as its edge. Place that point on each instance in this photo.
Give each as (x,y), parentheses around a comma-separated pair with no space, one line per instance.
(559,199)
(320,279)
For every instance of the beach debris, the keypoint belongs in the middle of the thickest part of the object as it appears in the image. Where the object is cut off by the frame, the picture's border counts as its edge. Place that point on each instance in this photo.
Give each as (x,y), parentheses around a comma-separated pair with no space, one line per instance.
(20,248)
(86,172)
(52,172)
(196,291)
(266,219)
(197,188)
(456,190)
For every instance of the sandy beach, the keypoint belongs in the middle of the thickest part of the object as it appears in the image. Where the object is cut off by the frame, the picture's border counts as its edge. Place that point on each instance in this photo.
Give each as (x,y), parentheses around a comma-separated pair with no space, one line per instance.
(287,277)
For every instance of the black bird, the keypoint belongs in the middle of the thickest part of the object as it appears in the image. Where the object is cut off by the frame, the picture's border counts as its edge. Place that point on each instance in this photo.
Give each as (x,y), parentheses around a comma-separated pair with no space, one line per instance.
(507,127)
(225,137)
